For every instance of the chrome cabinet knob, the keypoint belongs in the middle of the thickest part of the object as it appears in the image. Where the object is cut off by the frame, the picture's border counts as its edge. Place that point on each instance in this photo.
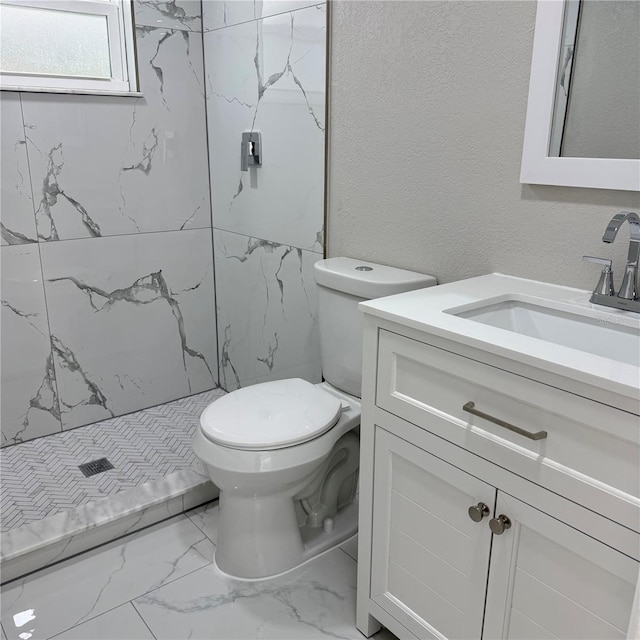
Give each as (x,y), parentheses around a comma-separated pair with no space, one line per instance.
(500,524)
(478,511)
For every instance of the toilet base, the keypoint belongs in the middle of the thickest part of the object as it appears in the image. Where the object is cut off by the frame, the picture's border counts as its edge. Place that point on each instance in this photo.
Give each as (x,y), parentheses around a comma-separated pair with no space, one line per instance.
(314,541)
(262,534)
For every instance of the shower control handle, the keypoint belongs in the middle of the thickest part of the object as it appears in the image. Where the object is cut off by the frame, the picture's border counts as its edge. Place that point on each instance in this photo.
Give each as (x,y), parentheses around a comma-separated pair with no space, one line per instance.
(250,150)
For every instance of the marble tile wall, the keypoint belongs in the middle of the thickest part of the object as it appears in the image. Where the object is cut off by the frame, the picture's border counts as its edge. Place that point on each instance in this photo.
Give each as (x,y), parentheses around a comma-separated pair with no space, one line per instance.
(265,65)
(270,330)
(108,301)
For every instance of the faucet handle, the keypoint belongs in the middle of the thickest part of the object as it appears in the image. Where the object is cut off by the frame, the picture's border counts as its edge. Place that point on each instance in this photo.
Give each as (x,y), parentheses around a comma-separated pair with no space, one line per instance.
(605,284)
(605,262)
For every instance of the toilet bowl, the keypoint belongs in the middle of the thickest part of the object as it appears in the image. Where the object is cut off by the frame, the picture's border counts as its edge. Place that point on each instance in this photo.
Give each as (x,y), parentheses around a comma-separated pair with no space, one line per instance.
(285,454)
(272,500)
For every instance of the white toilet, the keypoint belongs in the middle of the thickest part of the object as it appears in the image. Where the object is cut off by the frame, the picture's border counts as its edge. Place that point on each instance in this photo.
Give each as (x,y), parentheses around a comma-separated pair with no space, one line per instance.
(284,454)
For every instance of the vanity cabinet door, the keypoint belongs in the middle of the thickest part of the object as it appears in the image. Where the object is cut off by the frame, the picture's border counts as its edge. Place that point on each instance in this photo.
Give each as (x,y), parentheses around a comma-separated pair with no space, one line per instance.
(549,580)
(429,558)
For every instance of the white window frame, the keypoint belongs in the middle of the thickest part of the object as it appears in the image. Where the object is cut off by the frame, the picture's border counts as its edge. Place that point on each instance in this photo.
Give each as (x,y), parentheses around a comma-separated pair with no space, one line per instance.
(121,33)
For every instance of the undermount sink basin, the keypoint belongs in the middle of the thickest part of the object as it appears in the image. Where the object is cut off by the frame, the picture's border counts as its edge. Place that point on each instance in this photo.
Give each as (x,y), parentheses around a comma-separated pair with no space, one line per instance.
(607,335)
(538,330)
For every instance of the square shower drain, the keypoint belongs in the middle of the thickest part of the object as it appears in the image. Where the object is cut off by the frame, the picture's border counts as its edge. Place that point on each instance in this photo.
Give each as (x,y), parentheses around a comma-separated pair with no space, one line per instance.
(95,466)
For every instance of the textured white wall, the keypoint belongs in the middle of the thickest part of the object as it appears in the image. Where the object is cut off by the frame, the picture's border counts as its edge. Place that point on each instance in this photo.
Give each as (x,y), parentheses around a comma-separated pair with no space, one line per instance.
(428,104)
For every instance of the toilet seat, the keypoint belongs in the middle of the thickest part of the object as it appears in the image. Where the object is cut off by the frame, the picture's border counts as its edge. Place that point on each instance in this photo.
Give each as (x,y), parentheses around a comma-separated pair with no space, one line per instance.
(271,415)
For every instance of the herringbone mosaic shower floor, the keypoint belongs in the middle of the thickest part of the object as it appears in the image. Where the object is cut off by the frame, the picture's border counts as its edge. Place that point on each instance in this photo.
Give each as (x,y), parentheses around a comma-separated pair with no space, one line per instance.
(41,477)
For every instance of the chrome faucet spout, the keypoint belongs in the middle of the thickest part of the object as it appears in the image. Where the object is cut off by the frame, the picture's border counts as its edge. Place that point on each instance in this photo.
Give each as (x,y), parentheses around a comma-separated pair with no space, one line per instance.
(628,288)
(627,297)
(617,221)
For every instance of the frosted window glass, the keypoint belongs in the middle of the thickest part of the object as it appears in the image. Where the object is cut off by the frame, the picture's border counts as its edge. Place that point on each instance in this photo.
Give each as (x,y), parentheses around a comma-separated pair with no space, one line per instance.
(48,42)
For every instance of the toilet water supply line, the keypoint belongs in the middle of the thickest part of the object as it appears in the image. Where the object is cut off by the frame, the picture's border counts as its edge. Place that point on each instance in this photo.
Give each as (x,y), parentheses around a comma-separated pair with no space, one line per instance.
(342,465)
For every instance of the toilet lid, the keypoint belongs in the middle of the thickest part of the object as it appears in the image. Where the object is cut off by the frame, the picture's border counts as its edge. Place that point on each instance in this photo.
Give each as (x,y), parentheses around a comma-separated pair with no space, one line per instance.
(272,415)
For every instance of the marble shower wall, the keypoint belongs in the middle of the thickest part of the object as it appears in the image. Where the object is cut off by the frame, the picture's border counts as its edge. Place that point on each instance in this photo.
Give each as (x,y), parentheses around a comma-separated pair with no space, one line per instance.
(107,262)
(265,65)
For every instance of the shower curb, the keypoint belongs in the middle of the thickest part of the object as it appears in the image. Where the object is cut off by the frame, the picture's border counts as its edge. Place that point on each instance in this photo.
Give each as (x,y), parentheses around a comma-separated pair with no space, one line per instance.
(45,542)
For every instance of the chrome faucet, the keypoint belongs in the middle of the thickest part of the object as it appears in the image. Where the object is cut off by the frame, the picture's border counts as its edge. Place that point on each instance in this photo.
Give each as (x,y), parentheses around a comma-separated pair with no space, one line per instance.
(627,296)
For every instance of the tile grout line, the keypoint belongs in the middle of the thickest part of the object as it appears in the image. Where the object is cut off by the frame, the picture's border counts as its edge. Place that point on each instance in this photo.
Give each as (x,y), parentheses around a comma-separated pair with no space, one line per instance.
(138,25)
(111,235)
(205,85)
(122,415)
(281,244)
(203,531)
(26,149)
(141,618)
(88,620)
(343,551)
(313,5)
(164,584)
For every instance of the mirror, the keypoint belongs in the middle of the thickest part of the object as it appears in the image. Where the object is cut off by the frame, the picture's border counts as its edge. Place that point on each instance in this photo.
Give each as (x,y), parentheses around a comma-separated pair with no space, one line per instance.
(583,113)
(597,102)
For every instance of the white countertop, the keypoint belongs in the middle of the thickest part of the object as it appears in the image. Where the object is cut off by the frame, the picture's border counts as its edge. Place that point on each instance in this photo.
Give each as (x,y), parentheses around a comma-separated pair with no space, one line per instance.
(426,310)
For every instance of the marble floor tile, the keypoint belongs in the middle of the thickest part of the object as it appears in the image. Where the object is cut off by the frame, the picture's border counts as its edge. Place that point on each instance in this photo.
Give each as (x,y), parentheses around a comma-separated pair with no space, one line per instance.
(206,519)
(48,541)
(76,590)
(315,601)
(121,623)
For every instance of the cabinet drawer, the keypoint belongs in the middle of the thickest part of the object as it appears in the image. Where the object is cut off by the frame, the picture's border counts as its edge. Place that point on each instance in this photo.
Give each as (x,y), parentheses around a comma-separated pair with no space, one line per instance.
(588,444)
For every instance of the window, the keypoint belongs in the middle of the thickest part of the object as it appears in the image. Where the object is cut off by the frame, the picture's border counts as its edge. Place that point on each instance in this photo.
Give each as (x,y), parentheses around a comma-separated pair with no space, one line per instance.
(67,45)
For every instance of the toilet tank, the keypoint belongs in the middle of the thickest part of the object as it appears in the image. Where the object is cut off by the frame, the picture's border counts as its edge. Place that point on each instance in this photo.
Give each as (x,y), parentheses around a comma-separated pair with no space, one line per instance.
(342,283)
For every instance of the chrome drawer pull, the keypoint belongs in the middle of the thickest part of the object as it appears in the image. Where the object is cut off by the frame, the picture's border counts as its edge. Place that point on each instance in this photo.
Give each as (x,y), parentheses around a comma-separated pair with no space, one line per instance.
(470,408)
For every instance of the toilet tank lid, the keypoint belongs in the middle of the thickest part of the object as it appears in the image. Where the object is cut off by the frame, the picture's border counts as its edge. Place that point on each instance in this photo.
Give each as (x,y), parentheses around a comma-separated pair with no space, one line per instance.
(366,279)
(271,415)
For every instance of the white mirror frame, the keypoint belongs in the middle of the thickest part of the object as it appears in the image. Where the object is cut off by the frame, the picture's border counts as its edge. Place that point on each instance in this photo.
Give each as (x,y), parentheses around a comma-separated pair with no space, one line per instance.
(537,166)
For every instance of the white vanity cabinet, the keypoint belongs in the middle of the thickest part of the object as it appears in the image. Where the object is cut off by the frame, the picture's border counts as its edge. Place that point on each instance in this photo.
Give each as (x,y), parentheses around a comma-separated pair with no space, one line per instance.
(471,530)
(431,561)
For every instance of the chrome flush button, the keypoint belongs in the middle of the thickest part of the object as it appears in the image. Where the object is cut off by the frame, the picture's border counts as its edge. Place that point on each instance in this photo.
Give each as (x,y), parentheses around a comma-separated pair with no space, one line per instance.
(363,268)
